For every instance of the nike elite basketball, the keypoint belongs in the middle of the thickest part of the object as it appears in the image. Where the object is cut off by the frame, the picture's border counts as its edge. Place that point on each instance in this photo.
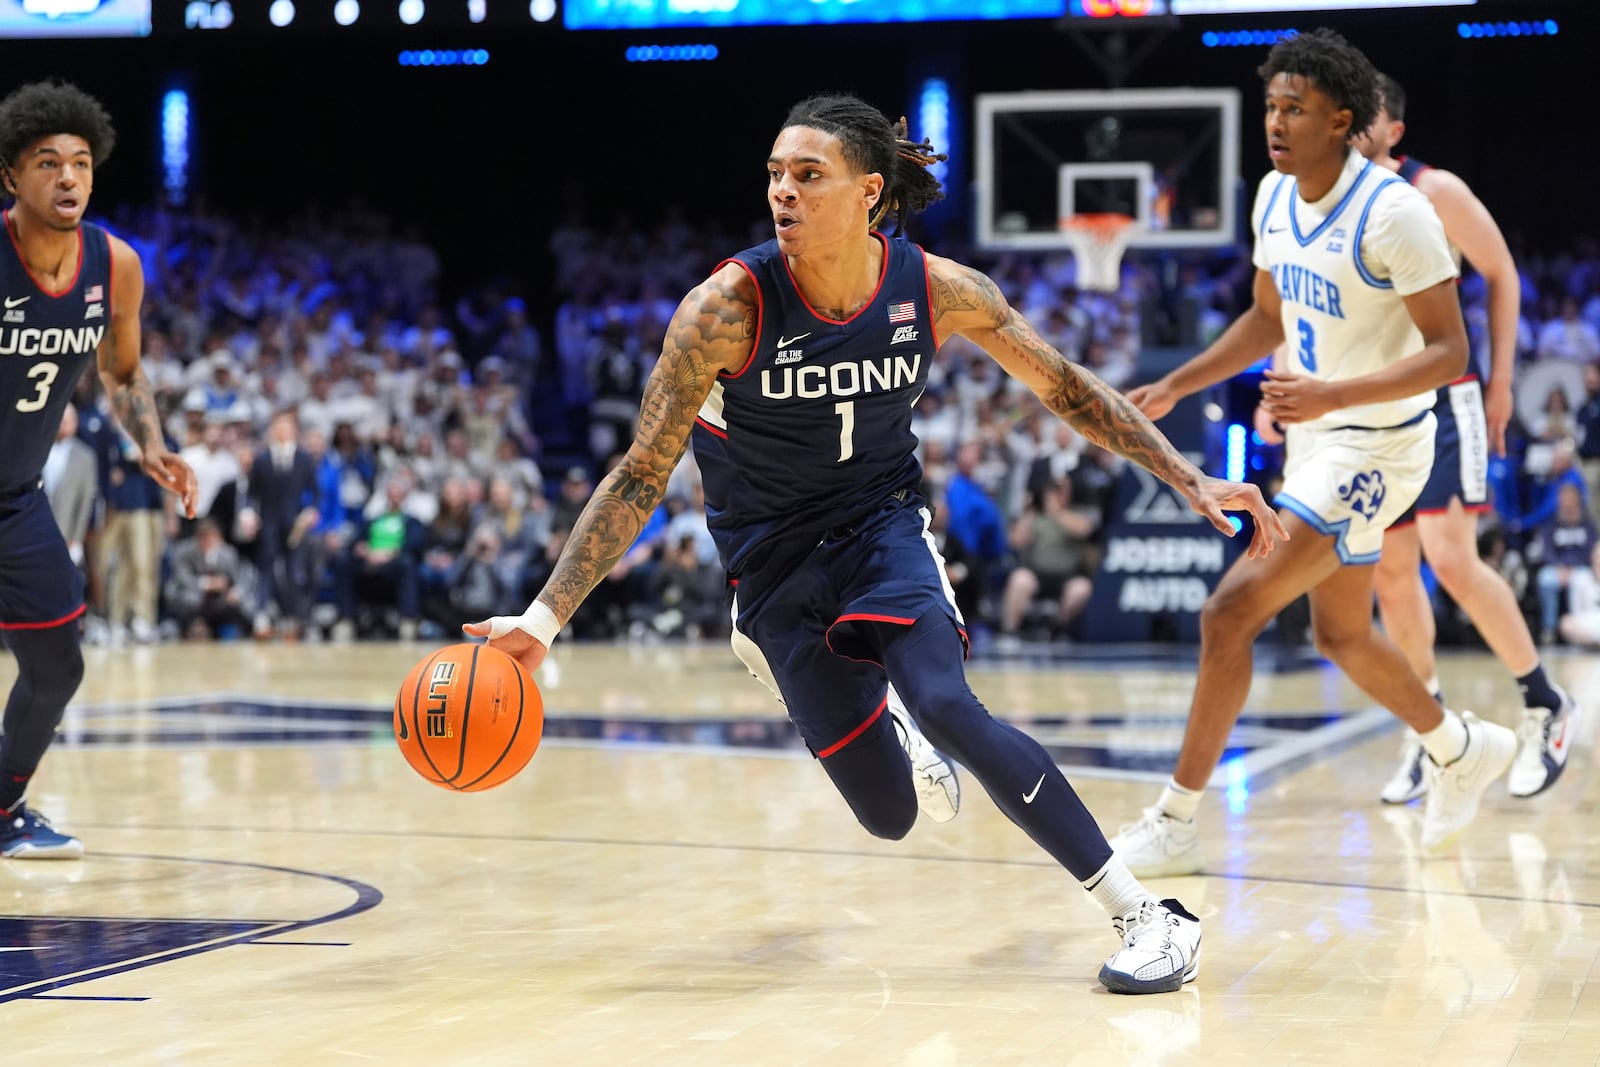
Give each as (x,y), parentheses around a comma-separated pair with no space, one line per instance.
(468,717)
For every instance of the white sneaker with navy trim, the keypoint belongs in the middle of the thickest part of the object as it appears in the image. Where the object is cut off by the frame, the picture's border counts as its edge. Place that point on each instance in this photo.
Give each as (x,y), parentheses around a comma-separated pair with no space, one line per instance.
(1544,737)
(1409,782)
(1160,950)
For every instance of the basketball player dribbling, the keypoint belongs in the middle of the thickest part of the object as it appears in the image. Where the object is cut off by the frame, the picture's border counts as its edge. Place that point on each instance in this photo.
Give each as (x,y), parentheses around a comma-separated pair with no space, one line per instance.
(1354,272)
(1443,524)
(71,292)
(795,367)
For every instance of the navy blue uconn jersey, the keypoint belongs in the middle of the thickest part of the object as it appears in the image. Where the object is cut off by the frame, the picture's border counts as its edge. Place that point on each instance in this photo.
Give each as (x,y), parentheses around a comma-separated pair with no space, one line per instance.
(815,431)
(46,341)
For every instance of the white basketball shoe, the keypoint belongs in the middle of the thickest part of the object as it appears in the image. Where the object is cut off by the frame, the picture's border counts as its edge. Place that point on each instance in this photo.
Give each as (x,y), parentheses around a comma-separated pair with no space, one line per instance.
(1160,950)
(1409,781)
(1455,789)
(1544,737)
(938,790)
(1158,845)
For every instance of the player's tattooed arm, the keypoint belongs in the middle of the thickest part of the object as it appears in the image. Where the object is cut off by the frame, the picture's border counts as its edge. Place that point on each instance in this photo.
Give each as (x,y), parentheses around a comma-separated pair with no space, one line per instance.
(121,372)
(968,302)
(712,331)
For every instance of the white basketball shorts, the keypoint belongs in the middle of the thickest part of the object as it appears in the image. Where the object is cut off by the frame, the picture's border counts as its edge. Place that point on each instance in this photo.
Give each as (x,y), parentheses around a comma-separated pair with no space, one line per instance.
(1354,483)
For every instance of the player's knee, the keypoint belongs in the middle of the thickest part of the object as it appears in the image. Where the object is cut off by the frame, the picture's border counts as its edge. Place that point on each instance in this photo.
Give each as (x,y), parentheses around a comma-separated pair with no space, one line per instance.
(1453,567)
(944,712)
(52,660)
(890,821)
(1336,642)
(1231,613)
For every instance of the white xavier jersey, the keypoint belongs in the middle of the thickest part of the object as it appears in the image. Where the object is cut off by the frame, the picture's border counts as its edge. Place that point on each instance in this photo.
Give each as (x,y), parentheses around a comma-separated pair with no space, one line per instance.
(1342,266)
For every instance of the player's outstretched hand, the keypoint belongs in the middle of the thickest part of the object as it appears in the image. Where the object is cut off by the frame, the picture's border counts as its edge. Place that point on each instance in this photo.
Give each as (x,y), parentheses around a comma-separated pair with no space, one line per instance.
(505,632)
(174,475)
(1214,496)
(1154,400)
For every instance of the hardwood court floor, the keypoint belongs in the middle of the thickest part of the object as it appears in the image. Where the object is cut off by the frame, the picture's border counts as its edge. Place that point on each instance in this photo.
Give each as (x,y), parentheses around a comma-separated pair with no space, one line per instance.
(673,881)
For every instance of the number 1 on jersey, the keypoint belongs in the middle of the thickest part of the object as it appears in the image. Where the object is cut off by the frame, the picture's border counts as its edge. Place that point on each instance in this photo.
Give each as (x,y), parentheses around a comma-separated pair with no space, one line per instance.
(1308,346)
(846,410)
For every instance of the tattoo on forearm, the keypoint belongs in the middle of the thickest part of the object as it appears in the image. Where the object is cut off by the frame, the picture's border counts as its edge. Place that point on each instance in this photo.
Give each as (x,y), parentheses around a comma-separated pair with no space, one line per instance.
(1107,418)
(710,322)
(1101,414)
(135,407)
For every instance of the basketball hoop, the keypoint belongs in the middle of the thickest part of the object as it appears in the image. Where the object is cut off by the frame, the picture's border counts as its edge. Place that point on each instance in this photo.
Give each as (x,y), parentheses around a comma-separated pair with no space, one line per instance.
(1098,241)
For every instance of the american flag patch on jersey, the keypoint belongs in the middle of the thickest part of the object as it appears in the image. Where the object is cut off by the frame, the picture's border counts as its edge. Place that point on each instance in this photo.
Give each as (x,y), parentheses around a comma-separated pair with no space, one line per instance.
(93,293)
(904,311)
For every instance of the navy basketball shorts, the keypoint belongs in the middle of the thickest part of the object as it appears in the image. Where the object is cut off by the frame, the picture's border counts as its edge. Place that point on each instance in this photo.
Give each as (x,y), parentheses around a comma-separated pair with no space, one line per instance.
(40,586)
(817,628)
(1460,453)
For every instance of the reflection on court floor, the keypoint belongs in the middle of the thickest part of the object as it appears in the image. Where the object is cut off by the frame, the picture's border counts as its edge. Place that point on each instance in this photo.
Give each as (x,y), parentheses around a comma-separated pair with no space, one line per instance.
(1132,745)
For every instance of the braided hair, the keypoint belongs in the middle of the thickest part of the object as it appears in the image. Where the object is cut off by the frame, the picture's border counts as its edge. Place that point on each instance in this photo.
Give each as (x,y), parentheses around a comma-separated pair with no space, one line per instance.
(1333,65)
(43,109)
(873,144)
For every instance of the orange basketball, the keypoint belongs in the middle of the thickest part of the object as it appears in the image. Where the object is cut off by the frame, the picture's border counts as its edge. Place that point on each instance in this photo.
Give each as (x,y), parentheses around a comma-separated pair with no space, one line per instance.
(468,717)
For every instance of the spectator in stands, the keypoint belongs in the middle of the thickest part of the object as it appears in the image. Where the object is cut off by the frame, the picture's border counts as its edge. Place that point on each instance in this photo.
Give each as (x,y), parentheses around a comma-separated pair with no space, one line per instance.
(520,523)
(1587,422)
(214,464)
(575,491)
(519,345)
(443,546)
(381,569)
(140,519)
(345,478)
(71,483)
(1051,540)
(1569,542)
(1581,625)
(283,493)
(617,373)
(1569,338)
(1562,472)
(975,519)
(210,590)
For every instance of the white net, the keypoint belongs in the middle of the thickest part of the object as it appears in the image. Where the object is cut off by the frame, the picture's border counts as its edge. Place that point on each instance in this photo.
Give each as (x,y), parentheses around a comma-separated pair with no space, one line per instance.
(1098,242)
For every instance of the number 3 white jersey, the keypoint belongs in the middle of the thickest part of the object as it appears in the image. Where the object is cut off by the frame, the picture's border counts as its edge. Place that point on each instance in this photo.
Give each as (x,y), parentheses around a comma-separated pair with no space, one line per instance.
(1342,266)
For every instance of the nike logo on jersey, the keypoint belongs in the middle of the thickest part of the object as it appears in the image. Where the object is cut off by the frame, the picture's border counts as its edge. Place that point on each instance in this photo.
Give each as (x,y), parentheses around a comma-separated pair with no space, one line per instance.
(1027,798)
(783,342)
(1276,229)
(17,302)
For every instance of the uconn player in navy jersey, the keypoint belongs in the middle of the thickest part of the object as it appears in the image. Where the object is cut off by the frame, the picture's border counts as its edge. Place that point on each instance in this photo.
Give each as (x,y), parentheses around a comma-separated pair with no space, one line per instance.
(798,363)
(1353,270)
(1472,412)
(71,295)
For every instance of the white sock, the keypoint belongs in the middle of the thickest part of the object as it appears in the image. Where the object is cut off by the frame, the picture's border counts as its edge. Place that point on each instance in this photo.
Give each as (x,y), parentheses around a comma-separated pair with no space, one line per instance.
(1446,742)
(1116,890)
(1179,802)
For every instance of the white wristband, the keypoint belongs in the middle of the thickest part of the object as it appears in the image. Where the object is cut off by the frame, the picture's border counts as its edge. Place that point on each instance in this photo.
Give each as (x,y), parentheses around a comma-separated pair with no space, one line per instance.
(539,622)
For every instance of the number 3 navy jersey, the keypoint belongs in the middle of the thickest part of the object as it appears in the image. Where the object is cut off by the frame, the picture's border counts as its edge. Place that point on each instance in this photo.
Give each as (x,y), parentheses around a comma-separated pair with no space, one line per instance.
(814,431)
(46,341)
